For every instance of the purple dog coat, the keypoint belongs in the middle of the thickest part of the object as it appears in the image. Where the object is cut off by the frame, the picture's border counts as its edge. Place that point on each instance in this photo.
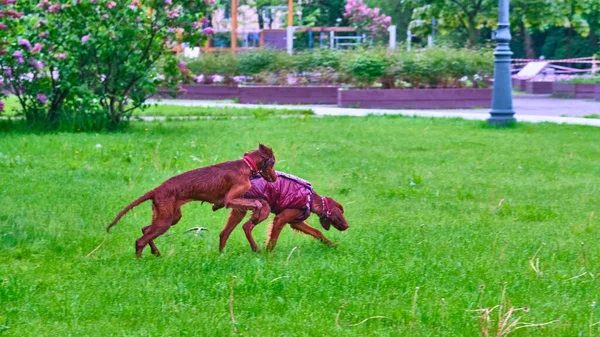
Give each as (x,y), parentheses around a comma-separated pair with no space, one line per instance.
(287,192)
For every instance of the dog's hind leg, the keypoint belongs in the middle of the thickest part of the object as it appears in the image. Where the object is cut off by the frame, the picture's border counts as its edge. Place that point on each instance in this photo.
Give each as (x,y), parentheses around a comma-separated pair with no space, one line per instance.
(263,214)
(283,218)
(235,217)
(315,233)
(176,217)
(161,221)
(153,247)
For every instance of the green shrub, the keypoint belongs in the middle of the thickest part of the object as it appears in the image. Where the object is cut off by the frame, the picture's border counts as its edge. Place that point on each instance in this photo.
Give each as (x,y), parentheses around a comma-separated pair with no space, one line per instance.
(584,80)
(255,62)
(365,67)
(226,64)
(319,58)
(440,67)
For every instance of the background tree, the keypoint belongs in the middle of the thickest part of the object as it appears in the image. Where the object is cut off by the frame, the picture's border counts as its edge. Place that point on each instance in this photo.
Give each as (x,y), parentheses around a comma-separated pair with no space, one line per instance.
(467,15)
(90,64)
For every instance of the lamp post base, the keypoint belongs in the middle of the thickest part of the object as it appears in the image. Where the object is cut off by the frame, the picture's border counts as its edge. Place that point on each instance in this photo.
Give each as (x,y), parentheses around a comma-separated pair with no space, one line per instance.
(502,118)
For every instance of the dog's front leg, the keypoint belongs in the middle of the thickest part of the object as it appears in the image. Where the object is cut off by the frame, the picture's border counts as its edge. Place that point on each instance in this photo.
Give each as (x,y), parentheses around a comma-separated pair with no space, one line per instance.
(234,199)
(217,206)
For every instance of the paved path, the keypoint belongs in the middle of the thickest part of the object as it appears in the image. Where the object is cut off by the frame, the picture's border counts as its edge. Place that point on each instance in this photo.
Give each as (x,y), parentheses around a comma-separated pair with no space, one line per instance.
(529,108)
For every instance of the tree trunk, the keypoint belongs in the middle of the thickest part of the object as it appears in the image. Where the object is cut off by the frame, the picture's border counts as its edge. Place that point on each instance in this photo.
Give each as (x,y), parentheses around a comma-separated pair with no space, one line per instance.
(569,42)
(529,50)
(261,20)
(472,34)
(593,40)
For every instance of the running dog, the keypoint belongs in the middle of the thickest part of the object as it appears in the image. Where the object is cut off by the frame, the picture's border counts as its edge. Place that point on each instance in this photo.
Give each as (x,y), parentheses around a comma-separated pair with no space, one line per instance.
(292,200)
(224,184)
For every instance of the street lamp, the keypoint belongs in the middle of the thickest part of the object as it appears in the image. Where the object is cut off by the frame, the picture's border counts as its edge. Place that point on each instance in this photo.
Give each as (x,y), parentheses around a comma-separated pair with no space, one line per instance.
(502,112)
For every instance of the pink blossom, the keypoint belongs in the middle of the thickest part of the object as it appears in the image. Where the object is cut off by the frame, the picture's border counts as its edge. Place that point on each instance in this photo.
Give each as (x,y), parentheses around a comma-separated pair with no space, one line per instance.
(44,4)
(216,78)
(168,2)
(208,31)
(37,64)
(182,64)
(54,8)
(210,2)
(41,98)
(1,106)
(197,24)
(60,56)
(43,35)
(18,56)
(85,38)
(7,72)
(13,14)
(2,26)
(171,30)
(24,43)
(199,78)
(111,4)
(172,14)
(134,5)
(204,19)
(387,19)
(104,16)
(6,2)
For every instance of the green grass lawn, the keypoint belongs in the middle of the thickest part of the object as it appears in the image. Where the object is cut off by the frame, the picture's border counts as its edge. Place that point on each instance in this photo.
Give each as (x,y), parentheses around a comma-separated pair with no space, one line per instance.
(12,108)
(449,206)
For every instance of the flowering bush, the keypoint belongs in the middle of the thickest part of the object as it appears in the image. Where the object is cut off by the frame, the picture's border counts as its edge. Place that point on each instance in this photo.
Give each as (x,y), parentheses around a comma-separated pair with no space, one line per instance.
(90,63)
(366,20)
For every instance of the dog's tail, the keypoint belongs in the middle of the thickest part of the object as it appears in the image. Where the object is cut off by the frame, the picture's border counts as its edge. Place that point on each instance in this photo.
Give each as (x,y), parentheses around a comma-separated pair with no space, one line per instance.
(137,201)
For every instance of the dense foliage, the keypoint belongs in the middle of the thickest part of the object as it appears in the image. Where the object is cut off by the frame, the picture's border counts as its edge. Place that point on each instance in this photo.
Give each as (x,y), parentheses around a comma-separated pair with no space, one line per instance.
(86,65)
(435,67)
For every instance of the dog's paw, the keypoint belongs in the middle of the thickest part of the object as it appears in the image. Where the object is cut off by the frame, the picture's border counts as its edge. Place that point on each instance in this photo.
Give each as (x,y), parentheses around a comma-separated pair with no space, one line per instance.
(332,244)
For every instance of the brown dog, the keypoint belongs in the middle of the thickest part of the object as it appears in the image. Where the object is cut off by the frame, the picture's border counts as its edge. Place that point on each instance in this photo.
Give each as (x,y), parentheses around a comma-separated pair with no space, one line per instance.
(292,200)
(224,183)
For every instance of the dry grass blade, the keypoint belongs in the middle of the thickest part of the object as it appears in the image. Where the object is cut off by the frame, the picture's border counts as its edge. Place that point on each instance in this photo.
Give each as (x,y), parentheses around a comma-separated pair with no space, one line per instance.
(535,325)
(503,322)
(367,319)
(95,249)
(337,317)
(290,254)
(414,307)
(534,262)
(578,276)
(231,303)
(278,278)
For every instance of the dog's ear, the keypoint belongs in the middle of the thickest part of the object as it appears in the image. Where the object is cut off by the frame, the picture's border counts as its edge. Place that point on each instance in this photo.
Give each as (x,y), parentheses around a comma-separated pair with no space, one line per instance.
(325,224)
(267,151)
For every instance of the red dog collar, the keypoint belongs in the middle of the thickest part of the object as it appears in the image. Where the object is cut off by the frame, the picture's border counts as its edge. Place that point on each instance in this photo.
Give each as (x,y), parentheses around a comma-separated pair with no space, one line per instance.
(326,207)
(251,164)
